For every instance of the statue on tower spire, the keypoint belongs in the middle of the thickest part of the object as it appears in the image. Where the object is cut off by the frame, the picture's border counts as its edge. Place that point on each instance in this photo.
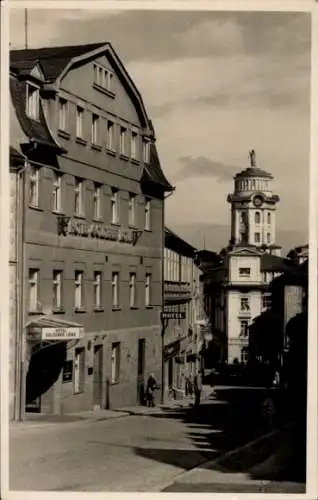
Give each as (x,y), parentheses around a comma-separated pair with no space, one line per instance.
(252,156)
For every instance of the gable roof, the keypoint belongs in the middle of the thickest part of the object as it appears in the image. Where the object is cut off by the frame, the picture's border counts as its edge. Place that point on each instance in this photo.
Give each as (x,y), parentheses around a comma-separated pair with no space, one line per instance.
(153,172)
(176,243)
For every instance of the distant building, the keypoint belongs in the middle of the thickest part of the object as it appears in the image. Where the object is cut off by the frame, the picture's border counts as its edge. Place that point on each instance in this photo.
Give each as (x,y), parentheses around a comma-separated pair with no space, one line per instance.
(237,286)
(182,294)
(87,198)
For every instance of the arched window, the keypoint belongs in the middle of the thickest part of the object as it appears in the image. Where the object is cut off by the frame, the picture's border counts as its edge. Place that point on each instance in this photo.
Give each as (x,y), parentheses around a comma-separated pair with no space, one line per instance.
(257,218)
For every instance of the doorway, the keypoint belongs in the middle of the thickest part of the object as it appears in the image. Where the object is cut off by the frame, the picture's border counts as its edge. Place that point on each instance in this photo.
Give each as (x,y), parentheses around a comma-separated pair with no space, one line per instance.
(98,375)
(141,372)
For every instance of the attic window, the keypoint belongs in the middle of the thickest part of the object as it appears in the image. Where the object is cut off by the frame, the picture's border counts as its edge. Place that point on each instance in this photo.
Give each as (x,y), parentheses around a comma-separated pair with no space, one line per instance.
(103,78)
(32,101)
(146,150)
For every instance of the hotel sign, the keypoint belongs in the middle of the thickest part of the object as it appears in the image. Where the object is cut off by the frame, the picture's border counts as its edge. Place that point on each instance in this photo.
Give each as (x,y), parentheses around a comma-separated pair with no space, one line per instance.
(99,230)
(62,333)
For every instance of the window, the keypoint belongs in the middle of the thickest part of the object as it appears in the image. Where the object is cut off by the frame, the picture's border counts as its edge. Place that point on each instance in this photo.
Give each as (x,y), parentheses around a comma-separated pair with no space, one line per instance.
(148,290)
(134,145)
(266,301)
(132,210)
(115,289)
(63,114)
(244,355)
(57,289)
(244,271)
(79,122)
(103,77)
(32,101)
(78,197)
(97,289)
(97,201)
(115,362)
(114,200)
(268,218)
(257,237)
(34,187)
(78,293)
(243,328)
(132,289)
(245,304)
(123,140)
(268,237)
(110,136)
(257,218)
(146,151)
(33,289)
(95,129)
(79,370)
(147,215)
(57,191)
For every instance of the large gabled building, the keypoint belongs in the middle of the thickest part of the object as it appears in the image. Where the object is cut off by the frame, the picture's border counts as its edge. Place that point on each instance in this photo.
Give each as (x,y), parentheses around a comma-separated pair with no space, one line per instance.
(87,214)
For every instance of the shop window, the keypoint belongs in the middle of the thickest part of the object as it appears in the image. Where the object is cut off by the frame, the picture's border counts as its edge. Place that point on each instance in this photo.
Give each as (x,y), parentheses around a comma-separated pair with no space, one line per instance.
(79,370)
(115,362)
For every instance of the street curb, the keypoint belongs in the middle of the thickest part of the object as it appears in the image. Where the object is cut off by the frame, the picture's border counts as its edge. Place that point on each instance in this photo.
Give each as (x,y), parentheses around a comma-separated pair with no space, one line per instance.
(229,454)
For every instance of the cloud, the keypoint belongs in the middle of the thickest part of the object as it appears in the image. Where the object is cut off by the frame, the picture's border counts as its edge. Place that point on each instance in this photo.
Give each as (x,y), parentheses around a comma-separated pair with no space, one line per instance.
(203,167)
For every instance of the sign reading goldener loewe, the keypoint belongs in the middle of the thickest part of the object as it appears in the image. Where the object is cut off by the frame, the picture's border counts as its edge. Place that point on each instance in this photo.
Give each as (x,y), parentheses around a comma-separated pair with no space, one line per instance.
(99,230)
(62,333)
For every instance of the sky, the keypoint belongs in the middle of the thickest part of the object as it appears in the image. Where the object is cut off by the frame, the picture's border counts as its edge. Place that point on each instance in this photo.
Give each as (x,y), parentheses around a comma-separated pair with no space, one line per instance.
(215,85)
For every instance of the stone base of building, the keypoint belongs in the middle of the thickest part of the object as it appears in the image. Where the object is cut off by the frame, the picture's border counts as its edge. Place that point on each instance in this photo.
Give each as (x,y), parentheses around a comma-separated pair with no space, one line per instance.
(96,384)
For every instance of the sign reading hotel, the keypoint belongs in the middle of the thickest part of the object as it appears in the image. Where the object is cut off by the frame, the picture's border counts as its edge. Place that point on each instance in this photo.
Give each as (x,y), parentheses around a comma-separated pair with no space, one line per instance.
(99,230)
(62,333)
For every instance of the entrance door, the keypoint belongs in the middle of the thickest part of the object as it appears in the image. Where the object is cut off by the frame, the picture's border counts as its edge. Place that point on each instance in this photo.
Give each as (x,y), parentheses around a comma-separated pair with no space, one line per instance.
(141,372)
(98,375)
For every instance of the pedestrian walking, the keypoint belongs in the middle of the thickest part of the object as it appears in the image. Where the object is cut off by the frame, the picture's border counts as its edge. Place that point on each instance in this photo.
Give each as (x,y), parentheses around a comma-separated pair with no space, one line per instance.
(152,386)
(197,389)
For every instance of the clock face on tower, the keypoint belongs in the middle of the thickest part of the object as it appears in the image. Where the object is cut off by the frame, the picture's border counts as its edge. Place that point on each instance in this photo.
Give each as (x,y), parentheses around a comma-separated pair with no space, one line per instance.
(257,200)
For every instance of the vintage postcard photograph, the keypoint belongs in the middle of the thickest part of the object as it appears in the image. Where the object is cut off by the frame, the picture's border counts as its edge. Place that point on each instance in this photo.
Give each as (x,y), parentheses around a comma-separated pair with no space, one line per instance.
(159,166)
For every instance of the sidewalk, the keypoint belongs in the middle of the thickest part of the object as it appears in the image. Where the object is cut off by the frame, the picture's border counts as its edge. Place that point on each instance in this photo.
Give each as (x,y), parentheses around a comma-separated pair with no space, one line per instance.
(253,468)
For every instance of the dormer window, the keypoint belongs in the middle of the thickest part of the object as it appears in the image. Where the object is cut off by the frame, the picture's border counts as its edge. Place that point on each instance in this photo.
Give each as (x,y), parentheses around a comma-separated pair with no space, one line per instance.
(103,77)
(32,101)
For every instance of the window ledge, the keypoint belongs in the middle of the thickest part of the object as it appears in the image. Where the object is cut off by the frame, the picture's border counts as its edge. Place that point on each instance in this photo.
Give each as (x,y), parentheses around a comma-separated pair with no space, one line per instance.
(115,383)
(58,212)
(63,133)
(37,209)
(135,161)
(105,91)
(97,219)
(96,147)
(132,226)
(78,392)
(98,309)
(117,224)
(148,230)
(34,312)
(58,310)
(78,216)
(134,308)
(149,307)
(124,157)
(79,310)
(81,141)
(116,308)
(110,152)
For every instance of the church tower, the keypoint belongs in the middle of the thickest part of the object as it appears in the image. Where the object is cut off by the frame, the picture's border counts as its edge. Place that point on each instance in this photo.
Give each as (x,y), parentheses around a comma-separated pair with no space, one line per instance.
(253,209)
